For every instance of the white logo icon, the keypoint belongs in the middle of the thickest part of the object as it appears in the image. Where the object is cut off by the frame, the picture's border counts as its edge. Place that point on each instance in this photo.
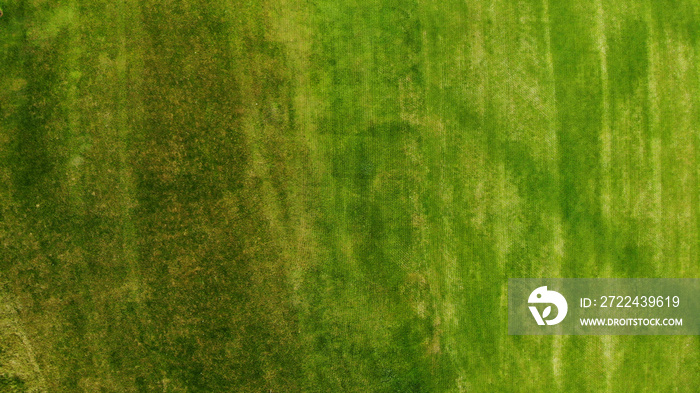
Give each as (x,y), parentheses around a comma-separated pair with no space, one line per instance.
(542,295)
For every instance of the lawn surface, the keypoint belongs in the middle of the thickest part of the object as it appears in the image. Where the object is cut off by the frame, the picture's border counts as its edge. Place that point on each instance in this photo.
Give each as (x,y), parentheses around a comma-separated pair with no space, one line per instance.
(329,196)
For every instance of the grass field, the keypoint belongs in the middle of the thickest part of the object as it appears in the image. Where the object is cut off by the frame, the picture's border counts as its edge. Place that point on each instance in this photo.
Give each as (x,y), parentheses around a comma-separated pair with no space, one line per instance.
(329,196)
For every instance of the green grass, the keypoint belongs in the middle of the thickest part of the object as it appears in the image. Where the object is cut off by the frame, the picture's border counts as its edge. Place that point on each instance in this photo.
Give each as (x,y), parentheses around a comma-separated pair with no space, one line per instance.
(330,196)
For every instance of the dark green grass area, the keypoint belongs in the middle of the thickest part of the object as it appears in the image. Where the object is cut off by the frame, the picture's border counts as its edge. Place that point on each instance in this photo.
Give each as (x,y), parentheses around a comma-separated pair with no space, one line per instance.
(329,196)
(12,384)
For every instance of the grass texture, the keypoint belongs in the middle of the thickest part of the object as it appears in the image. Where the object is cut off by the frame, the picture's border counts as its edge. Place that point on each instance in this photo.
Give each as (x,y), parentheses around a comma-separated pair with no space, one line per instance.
(330,195)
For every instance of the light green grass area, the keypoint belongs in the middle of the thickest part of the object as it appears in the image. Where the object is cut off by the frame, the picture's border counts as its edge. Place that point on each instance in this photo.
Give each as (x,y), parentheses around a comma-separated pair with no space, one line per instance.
(329,196)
